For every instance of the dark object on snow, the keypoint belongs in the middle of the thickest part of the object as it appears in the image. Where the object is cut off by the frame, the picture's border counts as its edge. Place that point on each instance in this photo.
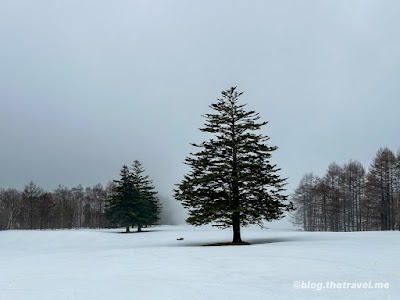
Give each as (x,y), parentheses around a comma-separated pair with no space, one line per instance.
(180,239)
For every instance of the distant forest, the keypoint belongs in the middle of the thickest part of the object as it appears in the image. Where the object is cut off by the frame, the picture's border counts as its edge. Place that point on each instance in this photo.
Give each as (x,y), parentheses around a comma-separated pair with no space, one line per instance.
(349,198)
(34,208)
(346,198)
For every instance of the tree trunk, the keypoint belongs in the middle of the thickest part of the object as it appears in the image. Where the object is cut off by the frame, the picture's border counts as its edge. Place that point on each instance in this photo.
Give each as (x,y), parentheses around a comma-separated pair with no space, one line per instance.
(139,228)
(127,229)
(236,228)
(9,223)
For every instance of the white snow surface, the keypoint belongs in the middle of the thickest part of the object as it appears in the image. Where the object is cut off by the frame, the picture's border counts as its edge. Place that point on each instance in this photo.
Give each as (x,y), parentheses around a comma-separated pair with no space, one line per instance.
(106,264)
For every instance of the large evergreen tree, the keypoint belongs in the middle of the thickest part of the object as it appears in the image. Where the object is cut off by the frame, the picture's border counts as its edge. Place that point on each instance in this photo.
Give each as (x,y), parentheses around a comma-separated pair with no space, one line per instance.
(232,181)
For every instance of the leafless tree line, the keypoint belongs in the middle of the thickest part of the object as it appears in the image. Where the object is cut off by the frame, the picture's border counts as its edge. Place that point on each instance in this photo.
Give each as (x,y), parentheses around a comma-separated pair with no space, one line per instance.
(34,208)
(349,198)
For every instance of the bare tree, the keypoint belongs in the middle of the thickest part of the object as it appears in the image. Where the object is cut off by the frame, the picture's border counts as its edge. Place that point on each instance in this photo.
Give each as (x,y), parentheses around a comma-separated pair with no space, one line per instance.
(305,198)
(354,180)
(382,184)
(348,199)
(10,208)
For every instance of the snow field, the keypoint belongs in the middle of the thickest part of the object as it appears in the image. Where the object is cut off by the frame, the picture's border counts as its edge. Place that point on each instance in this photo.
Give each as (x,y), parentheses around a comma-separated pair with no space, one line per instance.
(105,264)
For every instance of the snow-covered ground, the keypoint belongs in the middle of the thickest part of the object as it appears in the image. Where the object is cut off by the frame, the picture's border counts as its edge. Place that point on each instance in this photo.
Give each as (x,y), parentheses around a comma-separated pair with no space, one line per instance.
(105,264)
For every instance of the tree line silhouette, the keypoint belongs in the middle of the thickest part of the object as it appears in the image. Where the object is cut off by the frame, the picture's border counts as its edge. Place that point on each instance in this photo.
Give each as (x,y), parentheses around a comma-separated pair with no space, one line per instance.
(349,198)
(65,208)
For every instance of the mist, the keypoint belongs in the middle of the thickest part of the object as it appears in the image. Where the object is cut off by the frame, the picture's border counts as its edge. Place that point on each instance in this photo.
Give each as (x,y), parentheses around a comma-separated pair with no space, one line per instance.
(86,87)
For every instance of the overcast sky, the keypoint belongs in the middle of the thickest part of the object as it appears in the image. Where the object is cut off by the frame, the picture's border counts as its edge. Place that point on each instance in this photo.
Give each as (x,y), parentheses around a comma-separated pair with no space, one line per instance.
(87,86)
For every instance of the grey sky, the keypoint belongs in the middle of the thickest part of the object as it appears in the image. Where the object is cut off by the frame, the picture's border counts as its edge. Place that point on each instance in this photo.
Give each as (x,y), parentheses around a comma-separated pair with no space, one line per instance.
(87,86)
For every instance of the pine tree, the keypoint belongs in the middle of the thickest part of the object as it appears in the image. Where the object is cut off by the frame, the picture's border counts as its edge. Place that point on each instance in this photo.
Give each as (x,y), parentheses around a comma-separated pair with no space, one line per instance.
(149,208)
(133,200)
(123,204)
(232,181)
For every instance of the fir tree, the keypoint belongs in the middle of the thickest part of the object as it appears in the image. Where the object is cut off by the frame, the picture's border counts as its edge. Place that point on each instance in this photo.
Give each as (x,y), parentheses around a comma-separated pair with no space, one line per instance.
(134,199)
(232,181)
(149,208)
(124,200)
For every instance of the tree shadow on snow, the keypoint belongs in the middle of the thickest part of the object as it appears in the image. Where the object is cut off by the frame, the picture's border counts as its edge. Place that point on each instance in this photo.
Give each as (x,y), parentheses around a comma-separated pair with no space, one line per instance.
(274,240)
(114,231)
(248,242)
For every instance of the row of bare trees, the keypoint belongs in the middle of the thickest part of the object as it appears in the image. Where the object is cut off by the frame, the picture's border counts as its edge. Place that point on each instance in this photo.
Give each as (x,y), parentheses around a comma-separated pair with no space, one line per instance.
(35,208)
(348,198)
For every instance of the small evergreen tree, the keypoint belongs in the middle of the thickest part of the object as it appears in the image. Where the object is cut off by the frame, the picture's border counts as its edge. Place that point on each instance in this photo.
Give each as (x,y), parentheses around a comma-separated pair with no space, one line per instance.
(124,201)
(133,200)
(232,181)
(149,208)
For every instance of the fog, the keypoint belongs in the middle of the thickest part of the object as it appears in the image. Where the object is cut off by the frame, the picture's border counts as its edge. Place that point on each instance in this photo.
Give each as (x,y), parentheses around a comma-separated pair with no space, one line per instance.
(87,86)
